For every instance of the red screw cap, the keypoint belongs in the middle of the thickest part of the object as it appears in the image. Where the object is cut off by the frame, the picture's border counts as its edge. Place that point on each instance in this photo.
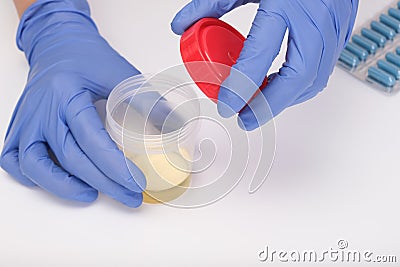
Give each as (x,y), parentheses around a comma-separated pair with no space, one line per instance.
(211,41)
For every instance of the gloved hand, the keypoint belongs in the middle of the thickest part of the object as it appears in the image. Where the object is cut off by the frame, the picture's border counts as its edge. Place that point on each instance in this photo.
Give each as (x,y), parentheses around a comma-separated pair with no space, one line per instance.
(71,66)
(318,31)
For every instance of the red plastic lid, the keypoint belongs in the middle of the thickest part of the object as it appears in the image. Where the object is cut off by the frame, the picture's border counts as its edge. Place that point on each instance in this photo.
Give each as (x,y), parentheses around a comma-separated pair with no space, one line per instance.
(211,41)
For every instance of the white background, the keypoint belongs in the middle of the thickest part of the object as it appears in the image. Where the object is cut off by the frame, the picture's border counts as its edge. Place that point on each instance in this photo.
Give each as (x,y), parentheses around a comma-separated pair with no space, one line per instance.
(336,174)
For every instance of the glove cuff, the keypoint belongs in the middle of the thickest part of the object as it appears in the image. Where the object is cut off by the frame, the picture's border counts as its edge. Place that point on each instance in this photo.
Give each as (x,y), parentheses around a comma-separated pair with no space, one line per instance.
(39,17)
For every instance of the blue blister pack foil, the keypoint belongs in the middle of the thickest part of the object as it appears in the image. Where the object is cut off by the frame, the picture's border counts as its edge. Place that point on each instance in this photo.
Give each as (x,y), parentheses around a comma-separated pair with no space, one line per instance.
(373,52)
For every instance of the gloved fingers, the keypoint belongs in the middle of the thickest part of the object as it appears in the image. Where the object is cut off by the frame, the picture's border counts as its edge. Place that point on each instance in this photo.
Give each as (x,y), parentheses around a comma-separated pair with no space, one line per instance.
(91,136)
(74,160)
(296,75)
(319,84)
(10,163)
(332,45)
(197,9)
(259,51)
(9,156)
(36,164)
(257,112)
(305,96)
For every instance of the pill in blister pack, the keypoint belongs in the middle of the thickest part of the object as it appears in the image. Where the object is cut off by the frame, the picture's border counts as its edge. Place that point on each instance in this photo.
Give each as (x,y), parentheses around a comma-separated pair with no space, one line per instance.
(373,52)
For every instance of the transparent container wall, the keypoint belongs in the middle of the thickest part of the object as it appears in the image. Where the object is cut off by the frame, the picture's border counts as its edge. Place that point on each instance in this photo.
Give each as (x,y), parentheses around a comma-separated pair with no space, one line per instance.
(154,121)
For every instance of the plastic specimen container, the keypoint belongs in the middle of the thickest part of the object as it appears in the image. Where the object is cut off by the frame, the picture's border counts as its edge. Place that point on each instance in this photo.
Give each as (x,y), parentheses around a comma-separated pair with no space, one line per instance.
(153,120)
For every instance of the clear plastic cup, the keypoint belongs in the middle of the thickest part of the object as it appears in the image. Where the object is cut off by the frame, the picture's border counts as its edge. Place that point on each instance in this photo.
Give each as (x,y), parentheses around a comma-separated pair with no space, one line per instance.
(154,121)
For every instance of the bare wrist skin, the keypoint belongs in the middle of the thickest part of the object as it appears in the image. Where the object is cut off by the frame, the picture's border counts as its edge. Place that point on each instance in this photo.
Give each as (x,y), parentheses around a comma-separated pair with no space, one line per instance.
(22,5)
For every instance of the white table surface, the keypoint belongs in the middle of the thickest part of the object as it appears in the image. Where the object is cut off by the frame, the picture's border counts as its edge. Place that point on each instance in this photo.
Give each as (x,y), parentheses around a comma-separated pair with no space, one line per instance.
(336,173)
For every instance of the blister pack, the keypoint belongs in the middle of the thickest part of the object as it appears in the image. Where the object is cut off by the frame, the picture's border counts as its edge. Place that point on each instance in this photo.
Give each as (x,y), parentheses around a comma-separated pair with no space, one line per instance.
(373,52)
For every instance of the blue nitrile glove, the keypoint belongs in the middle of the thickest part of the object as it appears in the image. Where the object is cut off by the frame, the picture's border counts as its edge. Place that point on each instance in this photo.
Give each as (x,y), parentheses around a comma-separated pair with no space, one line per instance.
(71,66)
(318,31)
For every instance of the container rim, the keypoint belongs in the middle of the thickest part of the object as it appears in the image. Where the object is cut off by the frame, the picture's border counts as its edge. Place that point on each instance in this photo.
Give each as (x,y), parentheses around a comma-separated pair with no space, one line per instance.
(121,93)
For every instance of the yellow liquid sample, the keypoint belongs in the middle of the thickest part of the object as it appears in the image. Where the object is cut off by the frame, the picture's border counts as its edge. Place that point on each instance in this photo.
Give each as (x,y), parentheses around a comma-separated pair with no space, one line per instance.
(166,195)
(167,175)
